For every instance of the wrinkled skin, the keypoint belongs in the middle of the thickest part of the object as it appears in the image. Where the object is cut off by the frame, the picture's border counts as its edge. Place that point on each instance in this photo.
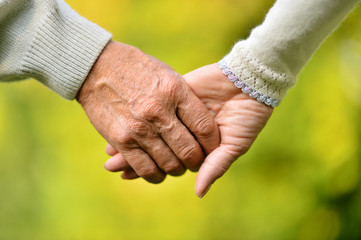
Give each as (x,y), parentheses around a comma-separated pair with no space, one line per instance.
(239,117)
(141,107)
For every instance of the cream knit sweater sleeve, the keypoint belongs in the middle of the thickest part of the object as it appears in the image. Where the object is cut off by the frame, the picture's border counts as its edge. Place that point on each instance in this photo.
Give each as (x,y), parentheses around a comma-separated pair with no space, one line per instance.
(48,41)
(266,64)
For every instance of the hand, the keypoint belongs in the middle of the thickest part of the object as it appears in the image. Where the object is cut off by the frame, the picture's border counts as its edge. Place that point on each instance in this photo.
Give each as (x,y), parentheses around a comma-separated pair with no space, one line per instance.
(239,117)
(147,113)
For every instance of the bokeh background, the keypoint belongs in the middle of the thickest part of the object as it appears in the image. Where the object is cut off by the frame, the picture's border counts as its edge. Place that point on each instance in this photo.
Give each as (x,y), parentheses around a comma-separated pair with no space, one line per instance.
(300,180)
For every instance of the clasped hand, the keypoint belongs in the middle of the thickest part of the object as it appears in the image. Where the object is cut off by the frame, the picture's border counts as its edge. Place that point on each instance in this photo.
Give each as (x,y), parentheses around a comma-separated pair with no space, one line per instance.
(158,123)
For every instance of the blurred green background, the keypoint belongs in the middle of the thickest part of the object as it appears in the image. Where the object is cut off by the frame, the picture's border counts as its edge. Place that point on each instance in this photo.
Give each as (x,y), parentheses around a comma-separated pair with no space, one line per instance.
(300,180)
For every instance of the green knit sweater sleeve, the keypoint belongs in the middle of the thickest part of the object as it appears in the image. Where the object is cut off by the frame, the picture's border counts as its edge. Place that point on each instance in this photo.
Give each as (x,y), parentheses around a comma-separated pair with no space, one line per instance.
(48,41)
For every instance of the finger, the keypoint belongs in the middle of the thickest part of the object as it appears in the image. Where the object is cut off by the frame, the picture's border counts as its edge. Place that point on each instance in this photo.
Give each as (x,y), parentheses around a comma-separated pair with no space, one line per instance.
(117,163)
(192,112)
(163,156)
(214,166)
(129,174)
(183,144)
(143,165)
(110,150)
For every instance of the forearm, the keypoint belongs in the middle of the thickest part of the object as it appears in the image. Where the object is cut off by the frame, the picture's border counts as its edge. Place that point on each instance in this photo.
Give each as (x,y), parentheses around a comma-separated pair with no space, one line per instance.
(276,51)
(48,41)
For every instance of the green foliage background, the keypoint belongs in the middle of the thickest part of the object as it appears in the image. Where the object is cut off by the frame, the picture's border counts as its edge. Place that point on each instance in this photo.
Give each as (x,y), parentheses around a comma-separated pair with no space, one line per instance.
(300,180)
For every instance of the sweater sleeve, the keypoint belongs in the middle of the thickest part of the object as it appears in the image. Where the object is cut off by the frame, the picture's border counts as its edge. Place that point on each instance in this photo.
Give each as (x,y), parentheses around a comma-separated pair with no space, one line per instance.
(266,64)
(48,41)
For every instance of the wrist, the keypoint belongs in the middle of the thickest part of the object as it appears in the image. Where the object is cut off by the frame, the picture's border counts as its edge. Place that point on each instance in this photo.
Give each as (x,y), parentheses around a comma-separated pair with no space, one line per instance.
(87,87)
(108,71)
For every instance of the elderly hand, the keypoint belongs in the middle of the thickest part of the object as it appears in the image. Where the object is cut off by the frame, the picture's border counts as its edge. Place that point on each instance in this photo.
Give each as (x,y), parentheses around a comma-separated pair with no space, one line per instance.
(239,117)
(147,113)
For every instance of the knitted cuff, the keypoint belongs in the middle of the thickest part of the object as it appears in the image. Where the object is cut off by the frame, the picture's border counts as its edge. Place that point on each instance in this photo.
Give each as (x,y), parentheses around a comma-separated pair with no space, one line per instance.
(255,78)
(64,50)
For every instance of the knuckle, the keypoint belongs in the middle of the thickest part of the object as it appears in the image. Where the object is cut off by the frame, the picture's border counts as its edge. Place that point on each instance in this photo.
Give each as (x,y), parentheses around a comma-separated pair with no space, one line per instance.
(147,172)
(237,150)
(205,127)
(139,128)
(189,153)
(125,139)
(152,111)
(173,167)
(173,87)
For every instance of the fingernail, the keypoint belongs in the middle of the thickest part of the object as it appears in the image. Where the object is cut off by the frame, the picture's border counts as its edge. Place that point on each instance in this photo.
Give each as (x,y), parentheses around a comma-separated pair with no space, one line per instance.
(205,192)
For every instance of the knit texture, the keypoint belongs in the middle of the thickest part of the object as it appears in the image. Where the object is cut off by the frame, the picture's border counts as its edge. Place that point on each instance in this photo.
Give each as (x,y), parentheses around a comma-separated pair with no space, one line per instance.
(270,60)
(48,41)
(257,75)
(245,88)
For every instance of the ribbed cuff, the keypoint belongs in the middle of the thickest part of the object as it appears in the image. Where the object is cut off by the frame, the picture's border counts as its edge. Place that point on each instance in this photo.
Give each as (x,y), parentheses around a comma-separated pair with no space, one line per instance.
(267,82)
(64,50)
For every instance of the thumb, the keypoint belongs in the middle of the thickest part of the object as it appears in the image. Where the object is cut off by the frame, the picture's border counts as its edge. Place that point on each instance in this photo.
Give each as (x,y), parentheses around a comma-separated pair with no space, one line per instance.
(214,166)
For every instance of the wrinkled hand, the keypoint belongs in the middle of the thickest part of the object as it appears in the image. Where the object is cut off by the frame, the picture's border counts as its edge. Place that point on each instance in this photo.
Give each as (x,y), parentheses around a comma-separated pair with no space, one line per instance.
(239,117)
(147,113)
